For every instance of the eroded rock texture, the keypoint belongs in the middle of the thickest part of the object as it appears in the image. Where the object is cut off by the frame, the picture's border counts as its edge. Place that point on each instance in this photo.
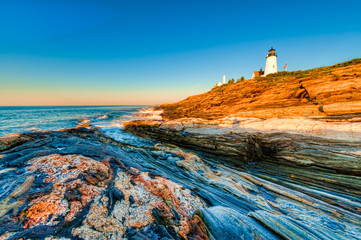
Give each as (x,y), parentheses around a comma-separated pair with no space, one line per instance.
(328,92)
(62,185)
(81,184)
(328,147)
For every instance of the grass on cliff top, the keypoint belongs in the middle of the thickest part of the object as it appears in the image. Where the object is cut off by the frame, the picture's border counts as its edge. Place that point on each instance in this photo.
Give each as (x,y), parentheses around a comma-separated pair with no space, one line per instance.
(245,93)
(254,87)
(314,71)
(281,77)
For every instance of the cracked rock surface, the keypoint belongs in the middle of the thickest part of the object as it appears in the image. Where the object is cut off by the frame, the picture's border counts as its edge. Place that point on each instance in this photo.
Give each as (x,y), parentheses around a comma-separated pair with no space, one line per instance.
(81,184)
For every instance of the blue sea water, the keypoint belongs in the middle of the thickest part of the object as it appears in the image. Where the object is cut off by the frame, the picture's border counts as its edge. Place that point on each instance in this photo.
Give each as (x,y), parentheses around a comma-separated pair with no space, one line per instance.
(27,119)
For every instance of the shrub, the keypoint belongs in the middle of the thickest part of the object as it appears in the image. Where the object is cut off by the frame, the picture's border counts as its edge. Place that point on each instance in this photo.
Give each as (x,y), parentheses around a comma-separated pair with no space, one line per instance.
(231,81)
(242,79)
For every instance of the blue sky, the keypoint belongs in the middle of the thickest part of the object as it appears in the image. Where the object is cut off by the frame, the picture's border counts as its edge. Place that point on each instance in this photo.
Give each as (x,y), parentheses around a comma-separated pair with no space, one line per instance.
(148,52)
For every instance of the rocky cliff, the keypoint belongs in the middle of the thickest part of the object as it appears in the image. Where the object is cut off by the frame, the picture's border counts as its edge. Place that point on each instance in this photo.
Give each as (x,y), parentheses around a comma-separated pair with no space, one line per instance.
(332,92)
(301,127)
(307,119)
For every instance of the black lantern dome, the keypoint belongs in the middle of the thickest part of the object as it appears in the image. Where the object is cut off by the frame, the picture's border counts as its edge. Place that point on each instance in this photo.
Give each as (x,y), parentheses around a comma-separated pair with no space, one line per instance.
(271,52)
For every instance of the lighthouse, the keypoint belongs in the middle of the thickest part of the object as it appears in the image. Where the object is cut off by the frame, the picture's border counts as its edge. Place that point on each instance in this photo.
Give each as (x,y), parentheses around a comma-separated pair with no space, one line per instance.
(271,62)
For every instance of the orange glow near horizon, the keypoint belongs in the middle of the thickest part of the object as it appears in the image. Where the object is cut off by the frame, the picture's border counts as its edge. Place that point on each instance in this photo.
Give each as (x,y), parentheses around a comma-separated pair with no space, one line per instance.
(23,97)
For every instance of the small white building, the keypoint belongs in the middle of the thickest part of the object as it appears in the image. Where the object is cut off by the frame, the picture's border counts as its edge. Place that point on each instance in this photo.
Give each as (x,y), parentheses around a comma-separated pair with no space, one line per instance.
(258,73)
(221,83)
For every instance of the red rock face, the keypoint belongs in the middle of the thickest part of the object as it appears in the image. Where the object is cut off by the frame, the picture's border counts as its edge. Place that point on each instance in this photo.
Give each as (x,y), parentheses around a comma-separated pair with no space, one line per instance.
(145,201)
(174,198)
(71,190)
(336,89)
(76,184)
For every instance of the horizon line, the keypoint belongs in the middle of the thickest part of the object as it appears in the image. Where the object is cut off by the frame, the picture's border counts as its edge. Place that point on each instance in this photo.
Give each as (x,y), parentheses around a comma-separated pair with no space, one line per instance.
(89,105)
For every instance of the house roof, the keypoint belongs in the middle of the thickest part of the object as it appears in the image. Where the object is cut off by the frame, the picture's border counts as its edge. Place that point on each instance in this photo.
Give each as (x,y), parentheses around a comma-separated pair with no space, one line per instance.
(256,73)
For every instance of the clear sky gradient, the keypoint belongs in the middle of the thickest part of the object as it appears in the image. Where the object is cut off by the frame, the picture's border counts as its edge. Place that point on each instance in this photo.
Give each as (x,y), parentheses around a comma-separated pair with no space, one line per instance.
(100,52)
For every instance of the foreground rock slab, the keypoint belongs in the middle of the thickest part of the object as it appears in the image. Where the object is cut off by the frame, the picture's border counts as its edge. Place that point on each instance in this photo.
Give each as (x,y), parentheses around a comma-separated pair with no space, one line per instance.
(65,184)
(81,184)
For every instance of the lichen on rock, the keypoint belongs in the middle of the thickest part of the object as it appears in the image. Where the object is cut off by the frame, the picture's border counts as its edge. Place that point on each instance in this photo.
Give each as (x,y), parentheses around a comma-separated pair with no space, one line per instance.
(79,183)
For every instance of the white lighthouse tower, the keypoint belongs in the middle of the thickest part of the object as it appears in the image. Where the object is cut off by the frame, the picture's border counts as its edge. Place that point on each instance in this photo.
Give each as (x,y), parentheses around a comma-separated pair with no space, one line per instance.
(271,62)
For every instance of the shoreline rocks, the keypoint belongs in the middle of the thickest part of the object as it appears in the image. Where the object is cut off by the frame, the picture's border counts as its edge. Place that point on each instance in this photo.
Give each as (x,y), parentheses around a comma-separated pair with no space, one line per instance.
(77,183)
(328,146)
(10,140)
(81,184)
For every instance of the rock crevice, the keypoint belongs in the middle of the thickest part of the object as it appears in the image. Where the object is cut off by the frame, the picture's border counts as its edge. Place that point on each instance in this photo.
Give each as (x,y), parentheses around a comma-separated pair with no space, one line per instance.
(328,152)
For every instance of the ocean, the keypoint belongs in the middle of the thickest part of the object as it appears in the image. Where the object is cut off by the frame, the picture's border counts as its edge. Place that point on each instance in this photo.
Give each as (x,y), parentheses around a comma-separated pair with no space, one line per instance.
(43,118)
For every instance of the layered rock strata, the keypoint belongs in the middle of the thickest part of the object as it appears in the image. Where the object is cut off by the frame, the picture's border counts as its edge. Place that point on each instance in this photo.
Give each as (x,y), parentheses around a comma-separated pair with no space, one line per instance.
(331,92)
(82,184)
(78,184)
(328,146)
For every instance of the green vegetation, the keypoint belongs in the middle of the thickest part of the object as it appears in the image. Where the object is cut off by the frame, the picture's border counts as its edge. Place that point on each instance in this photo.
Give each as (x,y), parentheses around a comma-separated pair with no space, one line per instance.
(220,88)
(241,79)
(282,77)
(345,64)
(231,81)
(275,91)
